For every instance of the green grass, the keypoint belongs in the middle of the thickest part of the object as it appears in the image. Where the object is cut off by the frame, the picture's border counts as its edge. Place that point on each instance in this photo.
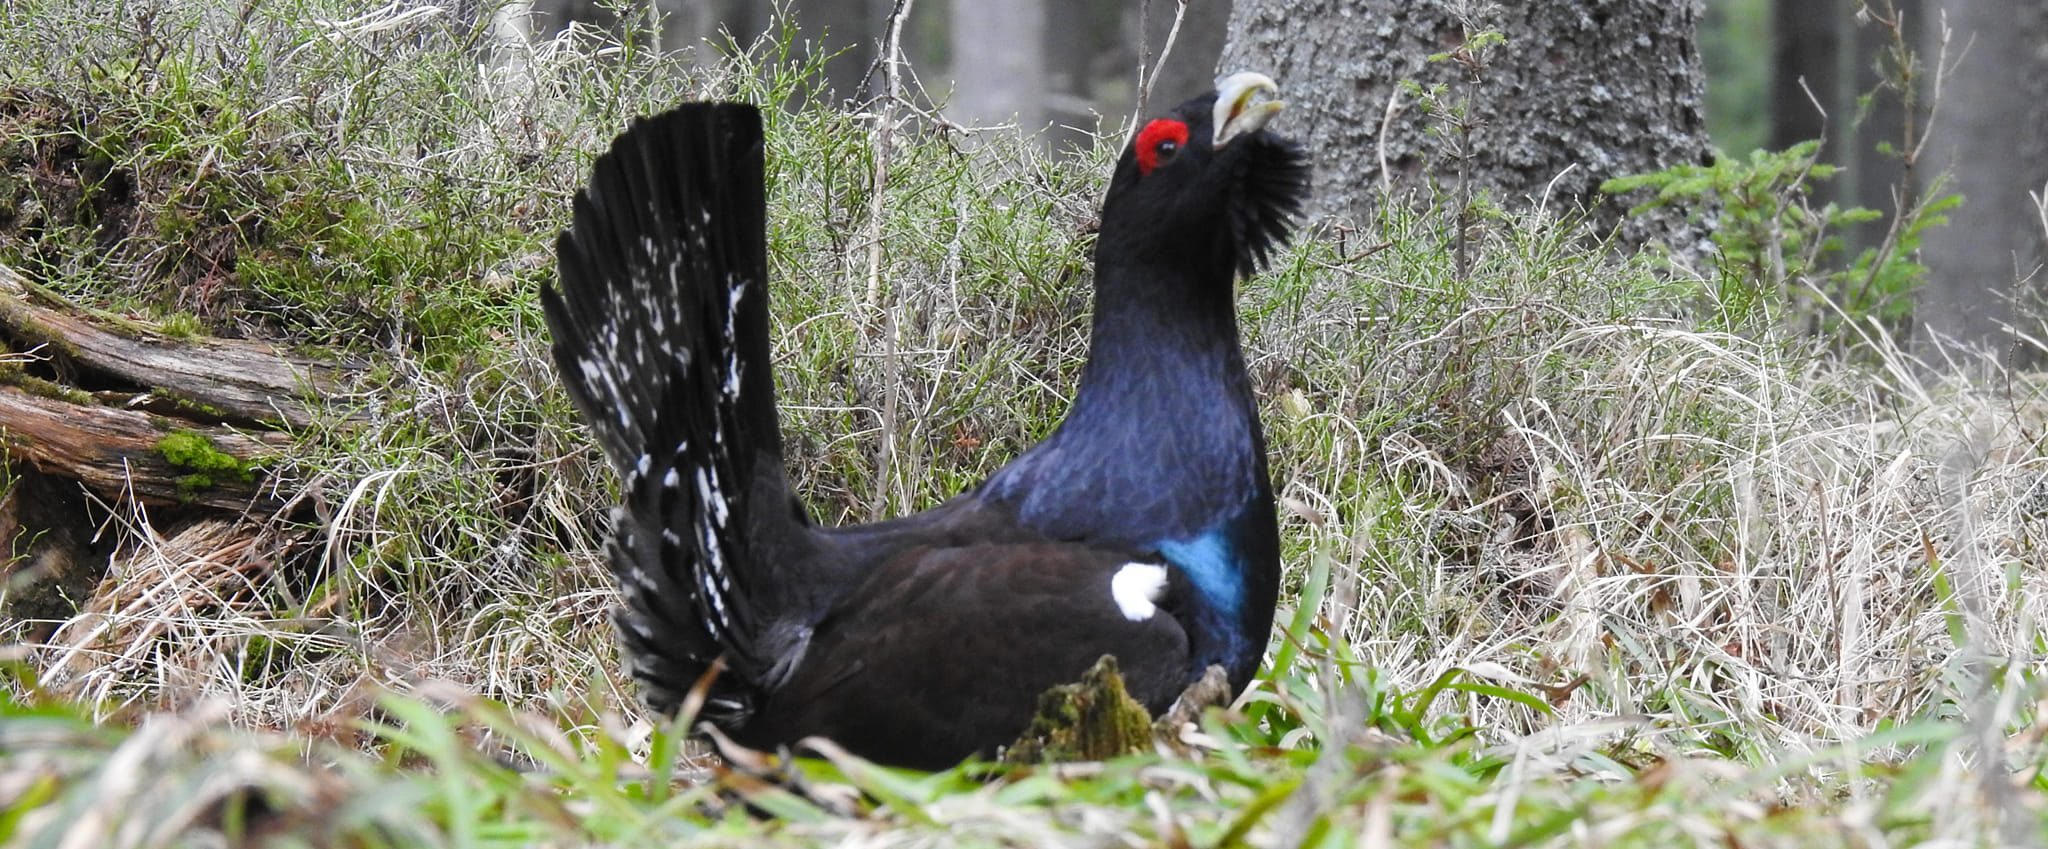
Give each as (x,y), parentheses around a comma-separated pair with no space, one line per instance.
(1573,557)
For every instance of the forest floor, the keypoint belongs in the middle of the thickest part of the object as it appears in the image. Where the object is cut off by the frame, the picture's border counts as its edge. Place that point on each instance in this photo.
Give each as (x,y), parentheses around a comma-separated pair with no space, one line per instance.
(1582,550)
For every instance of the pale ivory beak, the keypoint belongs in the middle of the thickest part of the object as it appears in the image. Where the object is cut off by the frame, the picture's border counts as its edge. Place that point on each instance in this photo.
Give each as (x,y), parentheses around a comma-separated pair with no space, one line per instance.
(1236,113)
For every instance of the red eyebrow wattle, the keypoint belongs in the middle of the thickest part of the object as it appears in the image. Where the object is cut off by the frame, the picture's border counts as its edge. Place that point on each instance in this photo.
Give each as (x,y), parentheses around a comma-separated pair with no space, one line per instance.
(1161,129)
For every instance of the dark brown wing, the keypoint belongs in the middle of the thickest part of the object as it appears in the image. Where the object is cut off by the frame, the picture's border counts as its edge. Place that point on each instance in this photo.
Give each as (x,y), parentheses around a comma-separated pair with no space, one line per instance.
(941,653)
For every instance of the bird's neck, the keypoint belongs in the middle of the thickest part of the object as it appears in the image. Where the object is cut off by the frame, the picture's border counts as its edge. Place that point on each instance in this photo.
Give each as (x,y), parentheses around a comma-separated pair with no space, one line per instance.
(1161,348)
(1165,409)
(1163,439)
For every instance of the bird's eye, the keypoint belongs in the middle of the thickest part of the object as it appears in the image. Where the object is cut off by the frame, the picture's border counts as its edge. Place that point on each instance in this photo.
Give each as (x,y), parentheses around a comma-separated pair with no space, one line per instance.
(1158,143)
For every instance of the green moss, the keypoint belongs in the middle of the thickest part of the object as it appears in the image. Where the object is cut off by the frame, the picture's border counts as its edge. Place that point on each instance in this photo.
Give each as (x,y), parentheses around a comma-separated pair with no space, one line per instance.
(182,325)
(174,224)
(205,465)
(11,374)
(194,406)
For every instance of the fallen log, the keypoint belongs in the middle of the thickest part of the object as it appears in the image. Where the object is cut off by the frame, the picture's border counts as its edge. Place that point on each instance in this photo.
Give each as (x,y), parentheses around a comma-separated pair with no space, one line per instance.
(128,454)
(228,379)
(133,413)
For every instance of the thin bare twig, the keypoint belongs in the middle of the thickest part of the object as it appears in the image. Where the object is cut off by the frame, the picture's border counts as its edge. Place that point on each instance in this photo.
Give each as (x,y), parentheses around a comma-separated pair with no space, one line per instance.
(885,131)
(1147,79)
(1387,126)
(885,123)
(1907,199)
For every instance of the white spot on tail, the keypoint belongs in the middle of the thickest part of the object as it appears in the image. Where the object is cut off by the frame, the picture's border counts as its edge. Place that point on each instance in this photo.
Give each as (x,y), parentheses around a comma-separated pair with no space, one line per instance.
(640,629)
(736,289)
(713,496)
(1137,588)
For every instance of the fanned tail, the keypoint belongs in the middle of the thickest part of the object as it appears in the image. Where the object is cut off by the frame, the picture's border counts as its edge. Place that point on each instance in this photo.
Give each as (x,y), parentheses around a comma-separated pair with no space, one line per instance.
(661,336)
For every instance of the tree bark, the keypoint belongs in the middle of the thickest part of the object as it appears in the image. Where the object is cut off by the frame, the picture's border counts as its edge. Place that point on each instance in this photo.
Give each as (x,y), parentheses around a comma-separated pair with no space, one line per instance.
(1582,91)
(228,379)
(1987,135)
(122,455)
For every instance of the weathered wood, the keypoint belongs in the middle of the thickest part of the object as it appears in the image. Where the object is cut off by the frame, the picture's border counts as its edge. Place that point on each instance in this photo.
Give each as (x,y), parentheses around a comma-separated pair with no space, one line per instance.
(232,379)
(122,454)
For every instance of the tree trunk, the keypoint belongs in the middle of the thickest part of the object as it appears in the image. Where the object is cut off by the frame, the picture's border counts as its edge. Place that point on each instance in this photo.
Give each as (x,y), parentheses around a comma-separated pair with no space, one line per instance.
(1876,175)
(1987,134)
(1806,55)
(999,63)
(1081,32)
(847,33)
(2032,295)
(689,25)
(1582,91)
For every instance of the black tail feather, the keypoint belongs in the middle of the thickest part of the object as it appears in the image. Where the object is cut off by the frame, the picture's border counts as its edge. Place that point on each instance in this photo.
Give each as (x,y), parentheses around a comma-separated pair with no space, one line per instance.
(661,336)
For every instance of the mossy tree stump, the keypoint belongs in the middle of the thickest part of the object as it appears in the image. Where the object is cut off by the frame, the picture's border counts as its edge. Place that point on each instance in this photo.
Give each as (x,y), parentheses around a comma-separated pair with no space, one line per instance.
(1091,720)
(1096,719)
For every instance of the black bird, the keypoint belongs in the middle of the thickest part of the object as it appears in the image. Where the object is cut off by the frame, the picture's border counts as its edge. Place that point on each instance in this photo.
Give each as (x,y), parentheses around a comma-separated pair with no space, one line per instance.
(1143,528)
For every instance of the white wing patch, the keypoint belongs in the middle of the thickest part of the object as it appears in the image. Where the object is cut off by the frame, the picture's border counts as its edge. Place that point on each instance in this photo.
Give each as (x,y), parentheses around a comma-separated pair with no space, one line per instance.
(1137,588)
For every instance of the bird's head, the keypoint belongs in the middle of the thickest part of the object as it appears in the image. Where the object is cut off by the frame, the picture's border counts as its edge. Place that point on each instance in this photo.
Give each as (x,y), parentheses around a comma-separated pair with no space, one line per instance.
(1208,175)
